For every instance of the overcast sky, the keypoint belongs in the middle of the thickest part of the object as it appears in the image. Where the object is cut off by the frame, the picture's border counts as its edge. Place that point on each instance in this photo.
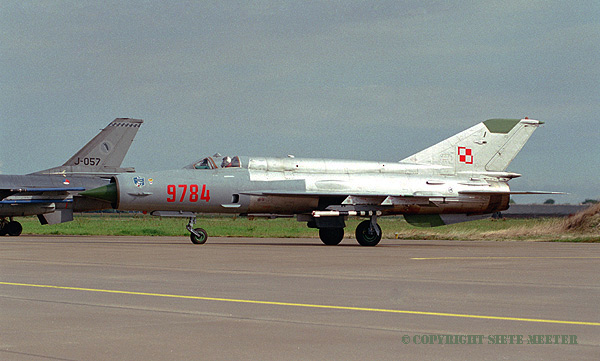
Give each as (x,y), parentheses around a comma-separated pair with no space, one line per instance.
(370,80)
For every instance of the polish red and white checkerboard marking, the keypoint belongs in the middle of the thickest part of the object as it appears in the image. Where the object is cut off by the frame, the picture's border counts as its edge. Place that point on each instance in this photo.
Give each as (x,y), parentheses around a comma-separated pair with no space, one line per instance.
(465,155)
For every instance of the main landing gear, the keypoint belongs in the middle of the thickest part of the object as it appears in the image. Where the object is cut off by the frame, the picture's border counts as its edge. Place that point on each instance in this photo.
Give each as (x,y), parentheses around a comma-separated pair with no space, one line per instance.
(197,235)
(368,233)
(331,236)
(12,228)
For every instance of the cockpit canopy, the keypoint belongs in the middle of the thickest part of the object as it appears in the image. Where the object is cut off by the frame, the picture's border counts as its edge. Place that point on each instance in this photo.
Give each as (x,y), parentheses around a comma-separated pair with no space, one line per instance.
(215,162)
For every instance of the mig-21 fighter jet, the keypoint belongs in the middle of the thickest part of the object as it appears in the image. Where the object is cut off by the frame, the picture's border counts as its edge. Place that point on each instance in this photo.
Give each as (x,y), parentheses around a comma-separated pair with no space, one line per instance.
(459,179)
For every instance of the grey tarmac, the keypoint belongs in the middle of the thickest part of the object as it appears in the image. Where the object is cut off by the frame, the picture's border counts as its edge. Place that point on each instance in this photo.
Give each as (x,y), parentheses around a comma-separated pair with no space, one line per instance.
(160,298)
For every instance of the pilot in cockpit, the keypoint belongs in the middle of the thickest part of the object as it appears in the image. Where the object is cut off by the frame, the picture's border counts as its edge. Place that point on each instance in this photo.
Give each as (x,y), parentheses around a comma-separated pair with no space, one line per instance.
(203,164)
(226,162)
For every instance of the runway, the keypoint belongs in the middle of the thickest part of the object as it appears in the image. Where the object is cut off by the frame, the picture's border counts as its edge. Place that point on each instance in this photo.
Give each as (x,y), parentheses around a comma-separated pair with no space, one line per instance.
(157,298)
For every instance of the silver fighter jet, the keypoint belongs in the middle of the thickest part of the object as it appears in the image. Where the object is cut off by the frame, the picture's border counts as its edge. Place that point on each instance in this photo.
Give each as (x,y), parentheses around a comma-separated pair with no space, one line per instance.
(49,193)
(459,179)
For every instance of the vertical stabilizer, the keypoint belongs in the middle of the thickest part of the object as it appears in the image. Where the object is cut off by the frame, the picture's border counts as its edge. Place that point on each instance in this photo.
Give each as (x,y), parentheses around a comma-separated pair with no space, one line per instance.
(105,152)
(487,146)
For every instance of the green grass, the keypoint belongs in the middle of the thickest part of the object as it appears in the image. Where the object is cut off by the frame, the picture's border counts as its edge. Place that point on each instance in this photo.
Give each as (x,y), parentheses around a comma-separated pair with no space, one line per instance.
(228,226)
(143,225)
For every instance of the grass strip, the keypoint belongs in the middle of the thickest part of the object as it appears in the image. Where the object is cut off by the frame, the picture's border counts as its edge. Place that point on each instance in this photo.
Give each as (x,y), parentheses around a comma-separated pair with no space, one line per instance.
(229,226)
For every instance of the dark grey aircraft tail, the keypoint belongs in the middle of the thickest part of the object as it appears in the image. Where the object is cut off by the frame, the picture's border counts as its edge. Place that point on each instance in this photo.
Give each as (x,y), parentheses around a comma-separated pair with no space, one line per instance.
(104,153)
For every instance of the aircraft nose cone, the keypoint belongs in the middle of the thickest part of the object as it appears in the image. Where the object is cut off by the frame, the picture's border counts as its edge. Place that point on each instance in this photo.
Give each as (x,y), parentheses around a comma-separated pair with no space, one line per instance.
(105,193)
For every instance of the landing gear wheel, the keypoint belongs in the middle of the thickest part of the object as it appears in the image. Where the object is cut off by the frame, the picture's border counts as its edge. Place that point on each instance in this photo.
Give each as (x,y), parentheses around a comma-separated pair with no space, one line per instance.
(13,228)
(199,239)
(331,236)
(367,235)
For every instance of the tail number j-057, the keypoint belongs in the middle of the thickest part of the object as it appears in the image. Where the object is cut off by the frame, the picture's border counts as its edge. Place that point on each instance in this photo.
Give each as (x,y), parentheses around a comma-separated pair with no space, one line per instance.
(88,161)
(181,192)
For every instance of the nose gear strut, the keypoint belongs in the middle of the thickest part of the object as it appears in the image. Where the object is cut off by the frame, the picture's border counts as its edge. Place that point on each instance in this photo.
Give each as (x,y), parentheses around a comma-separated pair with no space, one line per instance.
(197,235)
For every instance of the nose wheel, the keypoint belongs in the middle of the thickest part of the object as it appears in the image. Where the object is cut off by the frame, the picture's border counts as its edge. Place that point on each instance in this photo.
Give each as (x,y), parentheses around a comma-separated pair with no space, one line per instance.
(197,235)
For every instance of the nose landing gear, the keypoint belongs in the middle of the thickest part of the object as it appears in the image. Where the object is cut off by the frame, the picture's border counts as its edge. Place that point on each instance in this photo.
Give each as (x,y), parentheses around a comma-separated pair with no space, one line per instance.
(197,235)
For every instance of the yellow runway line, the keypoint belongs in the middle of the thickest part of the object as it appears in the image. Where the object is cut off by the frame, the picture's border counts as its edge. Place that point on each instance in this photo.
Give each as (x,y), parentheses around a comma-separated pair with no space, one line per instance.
(304,305)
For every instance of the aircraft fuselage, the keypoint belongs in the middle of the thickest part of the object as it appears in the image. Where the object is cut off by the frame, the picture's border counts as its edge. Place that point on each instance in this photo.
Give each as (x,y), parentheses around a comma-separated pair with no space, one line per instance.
(292,186)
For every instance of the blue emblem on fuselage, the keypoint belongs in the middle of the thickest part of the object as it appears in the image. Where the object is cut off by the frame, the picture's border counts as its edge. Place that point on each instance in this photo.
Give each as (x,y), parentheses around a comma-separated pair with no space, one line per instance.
(138,181)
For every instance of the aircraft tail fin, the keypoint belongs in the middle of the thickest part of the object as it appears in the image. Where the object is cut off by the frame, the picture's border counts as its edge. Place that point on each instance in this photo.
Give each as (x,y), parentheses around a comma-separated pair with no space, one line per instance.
(105,152)
(486,147)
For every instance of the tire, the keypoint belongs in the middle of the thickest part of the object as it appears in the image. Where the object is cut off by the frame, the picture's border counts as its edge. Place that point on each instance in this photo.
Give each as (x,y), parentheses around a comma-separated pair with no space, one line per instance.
(13,228)
(365,236)
(199,240)
(331,236)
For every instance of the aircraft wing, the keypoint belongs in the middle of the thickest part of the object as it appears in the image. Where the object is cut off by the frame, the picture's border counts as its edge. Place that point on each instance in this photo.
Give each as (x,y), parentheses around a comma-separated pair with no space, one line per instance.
(377,199)
(488,192)
(362,198)
(340,193)
(36,195)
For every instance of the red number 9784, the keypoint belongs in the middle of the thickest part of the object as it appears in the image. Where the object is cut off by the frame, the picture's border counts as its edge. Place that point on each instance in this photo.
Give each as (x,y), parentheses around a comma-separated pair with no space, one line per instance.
(179,193)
